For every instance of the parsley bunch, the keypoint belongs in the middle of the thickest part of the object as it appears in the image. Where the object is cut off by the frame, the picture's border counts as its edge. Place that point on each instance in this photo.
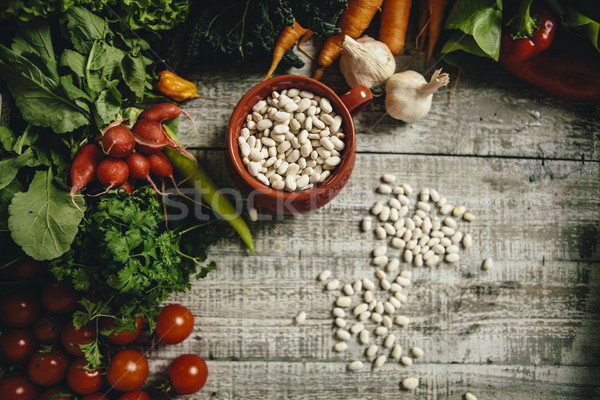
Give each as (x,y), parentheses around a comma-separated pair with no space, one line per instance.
(127,261)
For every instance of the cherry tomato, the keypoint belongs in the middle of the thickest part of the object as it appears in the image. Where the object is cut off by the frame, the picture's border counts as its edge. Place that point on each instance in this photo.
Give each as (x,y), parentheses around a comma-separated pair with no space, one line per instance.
(128,370)
(52,393)
(28,269)
(71,337)
(47,330)
(125,337)
(187,373)
(95,396)
(135,395)
(17,346)
(59,298)
(48,368)
(174,324)
(20,309)
(17,388)
(83,379)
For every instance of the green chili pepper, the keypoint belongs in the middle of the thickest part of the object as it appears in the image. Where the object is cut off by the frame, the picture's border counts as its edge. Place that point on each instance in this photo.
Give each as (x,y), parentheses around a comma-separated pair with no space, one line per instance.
(186,167)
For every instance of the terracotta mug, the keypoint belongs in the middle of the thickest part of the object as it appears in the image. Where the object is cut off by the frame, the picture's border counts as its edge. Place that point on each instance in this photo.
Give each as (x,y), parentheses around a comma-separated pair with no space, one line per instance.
(282,202)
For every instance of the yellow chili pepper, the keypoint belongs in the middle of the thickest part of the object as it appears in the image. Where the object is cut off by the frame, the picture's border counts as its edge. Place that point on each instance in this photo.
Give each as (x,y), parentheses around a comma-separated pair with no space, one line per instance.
(175,87)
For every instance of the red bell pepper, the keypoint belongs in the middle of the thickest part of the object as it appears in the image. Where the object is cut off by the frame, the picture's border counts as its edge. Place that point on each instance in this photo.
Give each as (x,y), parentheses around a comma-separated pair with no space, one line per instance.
(536,51)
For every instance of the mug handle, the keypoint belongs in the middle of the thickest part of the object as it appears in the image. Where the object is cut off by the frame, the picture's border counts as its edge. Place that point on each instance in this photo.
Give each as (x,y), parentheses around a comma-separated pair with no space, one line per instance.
(356,99)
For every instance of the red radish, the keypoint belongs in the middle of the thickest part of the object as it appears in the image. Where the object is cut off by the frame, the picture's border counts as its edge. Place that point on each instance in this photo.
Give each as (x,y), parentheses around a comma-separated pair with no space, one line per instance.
(163,113)
(160,165)
(151,136)
(112,172)
(118,142)
(139,168)
(127,187)
(85,164)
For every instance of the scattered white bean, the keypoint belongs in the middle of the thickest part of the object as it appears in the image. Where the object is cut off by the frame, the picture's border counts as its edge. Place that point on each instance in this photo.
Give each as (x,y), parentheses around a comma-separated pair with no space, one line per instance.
(340,346)
(467,241)
(300,318)
(367,224)
(468,217)
(388,178)
(487,264)
(402,320)
(394,263)
(387,322)
(324,275)
(332,285)
(340,322)
(458,211)
(343,301)
(364,337)
(381,331)
(452,257)
(389,340)
(379,361)
(417,352)
(376,317)
(380,232)
(338,312)
(357,328)
(470,396)
(368,284)
(372,350)
(355,366)
(360,308)
(357,286)
(348,289)
(407,361)
(385,189)
(396,352)
(410,383)
(343,334)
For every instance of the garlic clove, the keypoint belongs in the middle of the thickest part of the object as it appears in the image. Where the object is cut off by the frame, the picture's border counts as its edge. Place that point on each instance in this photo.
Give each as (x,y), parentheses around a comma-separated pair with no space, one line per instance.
(409,95)
(366,61)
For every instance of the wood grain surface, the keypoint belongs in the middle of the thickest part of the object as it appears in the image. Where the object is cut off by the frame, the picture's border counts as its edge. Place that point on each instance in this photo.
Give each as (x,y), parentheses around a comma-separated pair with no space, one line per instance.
(524,163)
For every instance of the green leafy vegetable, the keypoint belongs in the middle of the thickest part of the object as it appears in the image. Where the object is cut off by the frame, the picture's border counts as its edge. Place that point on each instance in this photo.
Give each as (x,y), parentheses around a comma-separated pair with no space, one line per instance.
(244,29)
(44,220)
(150,15)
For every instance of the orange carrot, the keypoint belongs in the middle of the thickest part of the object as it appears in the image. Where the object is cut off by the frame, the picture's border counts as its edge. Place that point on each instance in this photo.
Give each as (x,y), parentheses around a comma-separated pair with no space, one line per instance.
(436,19)
(303,39)
(286,40)
(353,22)
(394,23)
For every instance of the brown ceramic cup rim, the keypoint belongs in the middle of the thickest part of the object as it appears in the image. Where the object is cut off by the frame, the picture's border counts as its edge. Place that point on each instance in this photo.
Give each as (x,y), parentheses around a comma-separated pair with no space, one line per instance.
(262,91)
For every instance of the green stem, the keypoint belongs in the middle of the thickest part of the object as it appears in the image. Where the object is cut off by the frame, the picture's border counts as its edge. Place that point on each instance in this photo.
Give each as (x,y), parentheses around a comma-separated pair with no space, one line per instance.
(523,25)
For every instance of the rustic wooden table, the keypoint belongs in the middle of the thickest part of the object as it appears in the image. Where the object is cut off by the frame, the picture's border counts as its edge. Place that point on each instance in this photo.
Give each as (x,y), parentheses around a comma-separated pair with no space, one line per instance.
(524,163)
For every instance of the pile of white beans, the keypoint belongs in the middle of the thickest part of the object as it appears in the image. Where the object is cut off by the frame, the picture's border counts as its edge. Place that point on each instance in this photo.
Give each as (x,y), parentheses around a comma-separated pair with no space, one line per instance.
(292,140)
(368,309)
(425,238)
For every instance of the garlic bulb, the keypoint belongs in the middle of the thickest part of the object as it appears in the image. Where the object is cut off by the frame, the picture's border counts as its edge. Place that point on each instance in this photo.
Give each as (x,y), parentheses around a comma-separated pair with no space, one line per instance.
(366,61)
(408,95)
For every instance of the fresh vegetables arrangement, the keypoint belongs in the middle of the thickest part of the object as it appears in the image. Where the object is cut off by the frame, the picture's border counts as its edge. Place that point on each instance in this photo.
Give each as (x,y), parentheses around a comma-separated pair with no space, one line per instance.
(551,44)
(82,175)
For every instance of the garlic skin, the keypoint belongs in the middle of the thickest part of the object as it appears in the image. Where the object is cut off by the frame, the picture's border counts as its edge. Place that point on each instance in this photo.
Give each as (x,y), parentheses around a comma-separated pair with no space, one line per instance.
(366,61)
(408,95)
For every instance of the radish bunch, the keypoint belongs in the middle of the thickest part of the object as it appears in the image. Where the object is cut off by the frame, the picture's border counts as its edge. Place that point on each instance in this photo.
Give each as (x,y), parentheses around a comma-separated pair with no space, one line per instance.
(125,155)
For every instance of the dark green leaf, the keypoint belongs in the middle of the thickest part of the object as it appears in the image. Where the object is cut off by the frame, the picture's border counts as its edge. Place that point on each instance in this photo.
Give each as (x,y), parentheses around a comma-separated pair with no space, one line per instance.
(480,20)
(37,96)
(73,60)
(71,90)
(84,27)
(10,166)
(6,195)
(134,74)
(7,137)
(44,220)
(107,106)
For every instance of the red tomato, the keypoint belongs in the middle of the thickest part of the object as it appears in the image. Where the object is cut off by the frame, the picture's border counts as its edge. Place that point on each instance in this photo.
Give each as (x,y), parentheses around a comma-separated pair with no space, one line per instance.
(59,298)
(46,330)
(48,368)
(135,395)
(19,309)
(71,337)
(188,373)
(17,388)
(174,324)
(125,337)
(28,269)
(95,396)
(54,391)
(83,379)
(17,346)
(128,370)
